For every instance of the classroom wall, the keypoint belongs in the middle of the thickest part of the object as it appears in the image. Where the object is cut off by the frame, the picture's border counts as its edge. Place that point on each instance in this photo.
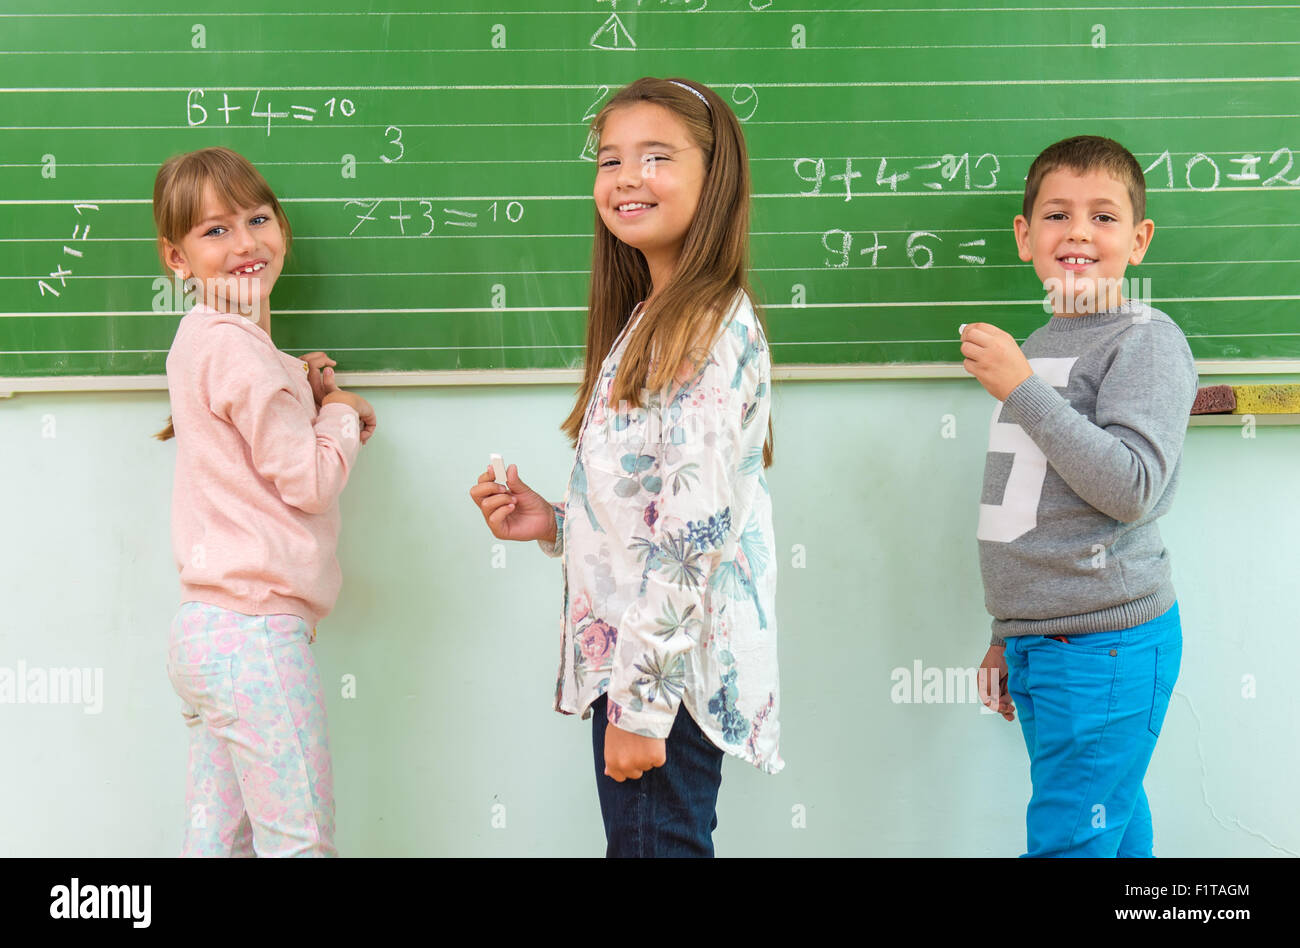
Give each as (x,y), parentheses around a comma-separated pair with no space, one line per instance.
(451,728)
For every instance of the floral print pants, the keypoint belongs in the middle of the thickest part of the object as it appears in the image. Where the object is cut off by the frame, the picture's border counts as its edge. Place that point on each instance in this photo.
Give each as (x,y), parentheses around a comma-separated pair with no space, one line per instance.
(260,781)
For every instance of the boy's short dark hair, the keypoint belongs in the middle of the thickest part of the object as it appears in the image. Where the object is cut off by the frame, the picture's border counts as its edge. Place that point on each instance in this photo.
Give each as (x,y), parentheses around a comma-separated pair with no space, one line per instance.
(1085,153)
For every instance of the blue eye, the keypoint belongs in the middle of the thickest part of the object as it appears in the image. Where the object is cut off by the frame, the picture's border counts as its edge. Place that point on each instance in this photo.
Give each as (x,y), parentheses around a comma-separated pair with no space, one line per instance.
(260,219)
(213,231)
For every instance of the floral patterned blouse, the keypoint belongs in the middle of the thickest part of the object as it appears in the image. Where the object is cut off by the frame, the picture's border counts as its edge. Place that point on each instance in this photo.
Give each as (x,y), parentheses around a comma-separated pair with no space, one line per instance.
(668,553)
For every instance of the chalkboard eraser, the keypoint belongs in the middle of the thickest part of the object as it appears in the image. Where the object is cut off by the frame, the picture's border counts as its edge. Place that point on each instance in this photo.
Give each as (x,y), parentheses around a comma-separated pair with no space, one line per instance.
(1267,399)
(498,468)
(1214,400)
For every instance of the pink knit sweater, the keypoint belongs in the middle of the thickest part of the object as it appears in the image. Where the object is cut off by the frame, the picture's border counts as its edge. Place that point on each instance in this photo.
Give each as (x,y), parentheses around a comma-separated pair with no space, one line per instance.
(259,469)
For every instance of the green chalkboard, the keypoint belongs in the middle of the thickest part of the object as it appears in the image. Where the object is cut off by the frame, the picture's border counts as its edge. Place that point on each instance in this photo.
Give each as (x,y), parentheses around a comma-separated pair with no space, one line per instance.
(888,146)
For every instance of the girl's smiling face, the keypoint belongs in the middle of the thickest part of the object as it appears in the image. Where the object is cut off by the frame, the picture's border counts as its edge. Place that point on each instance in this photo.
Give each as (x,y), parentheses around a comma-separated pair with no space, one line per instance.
(236,254)
(648,181)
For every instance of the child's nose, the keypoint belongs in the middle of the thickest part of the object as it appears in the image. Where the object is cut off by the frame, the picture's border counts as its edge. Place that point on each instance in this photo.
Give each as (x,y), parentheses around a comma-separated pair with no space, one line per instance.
(629,173)
(244,240)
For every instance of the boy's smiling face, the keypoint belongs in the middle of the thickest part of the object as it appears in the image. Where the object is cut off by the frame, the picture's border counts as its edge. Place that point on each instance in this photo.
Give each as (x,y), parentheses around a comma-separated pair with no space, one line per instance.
(1081,237)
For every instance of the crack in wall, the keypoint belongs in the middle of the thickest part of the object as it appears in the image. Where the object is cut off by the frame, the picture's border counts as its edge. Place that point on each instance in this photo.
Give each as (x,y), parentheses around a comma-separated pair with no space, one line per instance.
(1205,795)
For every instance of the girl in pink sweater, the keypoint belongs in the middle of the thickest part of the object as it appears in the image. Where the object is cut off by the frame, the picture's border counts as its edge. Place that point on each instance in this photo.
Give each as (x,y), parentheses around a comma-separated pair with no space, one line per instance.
(265,442)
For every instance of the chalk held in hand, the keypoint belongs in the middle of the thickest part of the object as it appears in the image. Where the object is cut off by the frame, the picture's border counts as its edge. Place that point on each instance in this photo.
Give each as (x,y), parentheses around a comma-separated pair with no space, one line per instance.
(498,468)
(961,329)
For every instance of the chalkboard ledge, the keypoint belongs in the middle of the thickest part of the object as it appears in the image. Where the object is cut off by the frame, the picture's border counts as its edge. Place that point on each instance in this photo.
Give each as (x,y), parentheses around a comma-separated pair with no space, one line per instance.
(940,370)
(780,373)
(1236,421)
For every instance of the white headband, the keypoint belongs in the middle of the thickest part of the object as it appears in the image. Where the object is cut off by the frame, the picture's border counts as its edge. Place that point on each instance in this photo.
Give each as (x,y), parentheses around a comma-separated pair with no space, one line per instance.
(695,92)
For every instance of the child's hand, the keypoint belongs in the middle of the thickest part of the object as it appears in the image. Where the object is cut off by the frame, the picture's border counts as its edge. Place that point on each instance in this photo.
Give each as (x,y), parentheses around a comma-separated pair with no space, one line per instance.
(628,755)
(513,511)
(367,413)
(992,683)
(359,404)
(316,363)
(993,357)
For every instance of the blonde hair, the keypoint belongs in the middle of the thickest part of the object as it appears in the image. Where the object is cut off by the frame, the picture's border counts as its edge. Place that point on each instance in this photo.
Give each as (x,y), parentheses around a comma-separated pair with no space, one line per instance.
(178,200)
(681,322)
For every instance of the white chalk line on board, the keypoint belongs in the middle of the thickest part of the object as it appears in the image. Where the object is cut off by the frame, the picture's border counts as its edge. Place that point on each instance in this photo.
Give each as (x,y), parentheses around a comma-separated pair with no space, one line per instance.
(818,270)
(20,352)
(498,53)
(811,270)
(335,200)
(753,159)
(329,312)
(879,304)
(1162,299)
(587,197)
(704,12)
(899,342)
(981,119)
(815,342)
(586,87)
(403,273)
(587,235)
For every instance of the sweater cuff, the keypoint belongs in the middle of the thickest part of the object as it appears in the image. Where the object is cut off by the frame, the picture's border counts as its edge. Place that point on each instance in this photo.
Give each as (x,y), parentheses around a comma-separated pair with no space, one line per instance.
(1032,400)
(998,641)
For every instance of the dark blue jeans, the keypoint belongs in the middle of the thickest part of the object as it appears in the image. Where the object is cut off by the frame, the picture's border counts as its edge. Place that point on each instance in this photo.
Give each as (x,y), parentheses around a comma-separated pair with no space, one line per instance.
(670,810)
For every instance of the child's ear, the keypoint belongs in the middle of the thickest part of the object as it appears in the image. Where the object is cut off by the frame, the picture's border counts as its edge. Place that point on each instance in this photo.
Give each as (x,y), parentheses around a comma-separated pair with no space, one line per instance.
(1141,241)
(1021,227)
(176,261)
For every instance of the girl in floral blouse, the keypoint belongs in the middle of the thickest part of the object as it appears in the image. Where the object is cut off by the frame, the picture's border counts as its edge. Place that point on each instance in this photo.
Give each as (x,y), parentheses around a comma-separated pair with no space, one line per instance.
(665,533)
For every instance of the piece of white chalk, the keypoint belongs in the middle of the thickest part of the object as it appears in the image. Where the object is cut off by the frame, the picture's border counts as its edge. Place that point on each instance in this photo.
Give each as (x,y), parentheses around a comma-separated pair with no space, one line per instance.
(962,328)
(498,467)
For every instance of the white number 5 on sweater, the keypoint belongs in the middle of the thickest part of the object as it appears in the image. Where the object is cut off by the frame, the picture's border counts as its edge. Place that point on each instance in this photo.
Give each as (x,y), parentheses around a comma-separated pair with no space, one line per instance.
(1018,512)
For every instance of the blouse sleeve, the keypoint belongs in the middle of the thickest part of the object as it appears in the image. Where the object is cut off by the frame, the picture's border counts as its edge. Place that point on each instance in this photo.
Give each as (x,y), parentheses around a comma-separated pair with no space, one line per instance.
(694,530)
(557,547)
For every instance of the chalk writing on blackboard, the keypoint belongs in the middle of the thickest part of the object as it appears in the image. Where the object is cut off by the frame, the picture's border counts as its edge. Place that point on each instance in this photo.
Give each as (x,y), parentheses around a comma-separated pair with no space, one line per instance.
(61,273)
(981,174)
(197,113)
(511,212)
(920,248)
(612,35)
(1201,172)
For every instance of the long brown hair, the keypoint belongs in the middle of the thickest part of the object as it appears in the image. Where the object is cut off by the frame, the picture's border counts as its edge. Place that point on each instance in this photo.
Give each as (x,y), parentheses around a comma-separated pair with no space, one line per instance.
(178,201)
(681,322)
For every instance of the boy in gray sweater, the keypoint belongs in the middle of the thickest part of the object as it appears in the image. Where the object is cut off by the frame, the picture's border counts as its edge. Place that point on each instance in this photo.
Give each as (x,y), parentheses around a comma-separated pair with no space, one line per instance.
(1084,456)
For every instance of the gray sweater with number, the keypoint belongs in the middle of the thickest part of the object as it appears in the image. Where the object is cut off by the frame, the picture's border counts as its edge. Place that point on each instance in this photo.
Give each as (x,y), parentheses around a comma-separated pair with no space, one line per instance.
(1084,458)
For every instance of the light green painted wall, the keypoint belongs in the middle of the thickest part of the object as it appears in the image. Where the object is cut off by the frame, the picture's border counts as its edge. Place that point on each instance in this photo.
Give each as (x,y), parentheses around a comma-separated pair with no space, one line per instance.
(454,660)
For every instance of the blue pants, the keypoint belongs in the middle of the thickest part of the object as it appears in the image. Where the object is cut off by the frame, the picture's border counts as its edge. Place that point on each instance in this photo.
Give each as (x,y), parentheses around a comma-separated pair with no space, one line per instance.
(670,810)
(1091,710)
